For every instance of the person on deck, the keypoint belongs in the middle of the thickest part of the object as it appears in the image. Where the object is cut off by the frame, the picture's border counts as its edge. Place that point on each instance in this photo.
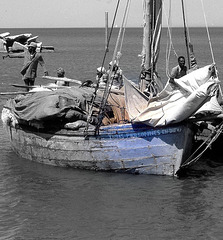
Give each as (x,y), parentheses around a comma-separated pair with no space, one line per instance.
(180,70)
(31,61)
(101,76)
(61,74)
(116,75)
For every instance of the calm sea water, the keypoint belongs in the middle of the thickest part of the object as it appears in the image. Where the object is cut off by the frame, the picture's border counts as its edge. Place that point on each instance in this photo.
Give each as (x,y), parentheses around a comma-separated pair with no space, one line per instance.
(43,202)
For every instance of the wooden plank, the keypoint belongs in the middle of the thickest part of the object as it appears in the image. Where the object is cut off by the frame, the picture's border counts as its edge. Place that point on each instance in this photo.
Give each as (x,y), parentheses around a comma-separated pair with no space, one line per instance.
(22,86)
(13,93)
(62,79)
(40,86)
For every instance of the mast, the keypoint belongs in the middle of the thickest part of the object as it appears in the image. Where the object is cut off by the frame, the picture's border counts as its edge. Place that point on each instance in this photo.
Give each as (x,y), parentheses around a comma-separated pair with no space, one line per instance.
(106,31)
(151,40)
(186,35)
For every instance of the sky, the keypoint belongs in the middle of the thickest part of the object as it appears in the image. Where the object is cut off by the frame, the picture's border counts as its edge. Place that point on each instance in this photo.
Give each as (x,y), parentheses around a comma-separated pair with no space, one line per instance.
(91,13)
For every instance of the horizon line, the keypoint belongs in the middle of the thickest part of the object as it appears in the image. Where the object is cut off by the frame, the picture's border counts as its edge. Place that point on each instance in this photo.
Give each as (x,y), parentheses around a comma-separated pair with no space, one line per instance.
(100,27)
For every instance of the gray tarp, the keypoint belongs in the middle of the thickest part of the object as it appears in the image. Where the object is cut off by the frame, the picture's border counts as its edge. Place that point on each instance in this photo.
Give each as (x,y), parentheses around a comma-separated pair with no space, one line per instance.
(41,106)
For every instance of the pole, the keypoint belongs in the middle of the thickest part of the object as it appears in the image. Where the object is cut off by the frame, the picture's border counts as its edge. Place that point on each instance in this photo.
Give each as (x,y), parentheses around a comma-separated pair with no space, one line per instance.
(106,31)
(186,36)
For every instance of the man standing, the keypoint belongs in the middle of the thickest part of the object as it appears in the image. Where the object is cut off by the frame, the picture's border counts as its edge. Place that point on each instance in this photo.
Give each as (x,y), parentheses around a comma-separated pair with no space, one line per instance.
(31,60)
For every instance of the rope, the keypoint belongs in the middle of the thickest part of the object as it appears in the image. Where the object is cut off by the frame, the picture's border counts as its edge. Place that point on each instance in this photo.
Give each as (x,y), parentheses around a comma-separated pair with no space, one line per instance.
(170,43)
(103,61)
(209,40)
(188,29)
(110,79)
(123,34)
(206,25)
(213,136)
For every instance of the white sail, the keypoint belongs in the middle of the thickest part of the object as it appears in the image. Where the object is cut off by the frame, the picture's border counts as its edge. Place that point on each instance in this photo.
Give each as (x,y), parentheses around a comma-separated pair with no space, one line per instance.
(176,102)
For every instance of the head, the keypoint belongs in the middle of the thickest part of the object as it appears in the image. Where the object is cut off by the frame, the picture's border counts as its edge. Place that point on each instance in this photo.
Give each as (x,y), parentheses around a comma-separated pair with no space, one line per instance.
(32,47)
(115,65)
(181,61)
(60,72)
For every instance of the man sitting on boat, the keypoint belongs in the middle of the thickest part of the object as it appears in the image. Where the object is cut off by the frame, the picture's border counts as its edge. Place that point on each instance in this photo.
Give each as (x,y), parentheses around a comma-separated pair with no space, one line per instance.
(61,74)
(181,70)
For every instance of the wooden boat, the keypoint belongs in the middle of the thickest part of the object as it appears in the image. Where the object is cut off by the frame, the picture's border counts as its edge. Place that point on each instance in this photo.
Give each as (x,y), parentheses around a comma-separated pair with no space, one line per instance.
(18,43)
(131,147)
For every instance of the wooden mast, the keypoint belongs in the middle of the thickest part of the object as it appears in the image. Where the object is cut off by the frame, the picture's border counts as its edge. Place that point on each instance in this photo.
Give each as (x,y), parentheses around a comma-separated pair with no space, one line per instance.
(186,35)
(106,31)
(151,40)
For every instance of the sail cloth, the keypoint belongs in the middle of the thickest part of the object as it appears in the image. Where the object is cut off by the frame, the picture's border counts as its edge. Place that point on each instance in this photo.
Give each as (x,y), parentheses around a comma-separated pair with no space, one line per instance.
(176,102)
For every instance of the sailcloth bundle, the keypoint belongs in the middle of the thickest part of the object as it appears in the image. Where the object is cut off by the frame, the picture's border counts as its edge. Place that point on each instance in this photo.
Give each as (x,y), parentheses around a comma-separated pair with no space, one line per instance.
(176,102)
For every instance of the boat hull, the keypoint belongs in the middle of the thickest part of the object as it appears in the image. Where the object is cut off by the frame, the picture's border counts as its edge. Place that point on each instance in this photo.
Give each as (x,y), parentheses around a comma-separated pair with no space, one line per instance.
(120,148)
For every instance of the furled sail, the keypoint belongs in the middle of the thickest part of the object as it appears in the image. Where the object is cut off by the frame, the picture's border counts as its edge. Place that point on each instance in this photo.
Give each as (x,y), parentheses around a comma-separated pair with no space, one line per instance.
(152,26)
(176,102)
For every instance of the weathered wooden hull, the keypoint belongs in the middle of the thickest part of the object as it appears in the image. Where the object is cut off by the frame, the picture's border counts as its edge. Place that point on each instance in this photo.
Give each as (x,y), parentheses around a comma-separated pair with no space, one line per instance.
(121,148)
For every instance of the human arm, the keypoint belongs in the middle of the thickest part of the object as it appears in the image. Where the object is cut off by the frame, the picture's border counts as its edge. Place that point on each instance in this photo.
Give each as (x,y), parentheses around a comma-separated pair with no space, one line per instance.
(42,63)
(173,75)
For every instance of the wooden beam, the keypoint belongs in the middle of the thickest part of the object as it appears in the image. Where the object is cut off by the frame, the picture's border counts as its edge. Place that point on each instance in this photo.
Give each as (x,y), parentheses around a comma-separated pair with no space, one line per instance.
(62,79)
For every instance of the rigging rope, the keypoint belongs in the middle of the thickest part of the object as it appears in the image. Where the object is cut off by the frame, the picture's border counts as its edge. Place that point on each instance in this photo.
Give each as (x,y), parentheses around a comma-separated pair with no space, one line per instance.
(110,79)
(103,62)
(209,40)
(206,25)
(123,33)
(212,138)
(170,43)
(188,29)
